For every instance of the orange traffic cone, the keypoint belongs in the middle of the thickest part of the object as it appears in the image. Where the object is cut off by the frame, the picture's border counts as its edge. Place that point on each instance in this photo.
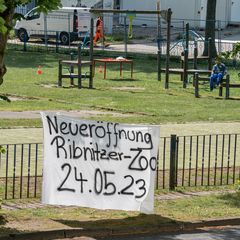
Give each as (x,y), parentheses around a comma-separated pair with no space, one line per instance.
(100,69)
(39,70)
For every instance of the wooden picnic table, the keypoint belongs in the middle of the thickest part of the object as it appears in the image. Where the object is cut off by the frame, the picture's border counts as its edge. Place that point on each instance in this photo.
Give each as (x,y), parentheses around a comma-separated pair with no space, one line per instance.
(114,61)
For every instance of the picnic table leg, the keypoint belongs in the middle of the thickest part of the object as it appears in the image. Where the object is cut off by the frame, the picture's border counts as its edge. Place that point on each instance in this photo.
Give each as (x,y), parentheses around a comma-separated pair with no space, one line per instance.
(121,69)
(105,69)
(59,73)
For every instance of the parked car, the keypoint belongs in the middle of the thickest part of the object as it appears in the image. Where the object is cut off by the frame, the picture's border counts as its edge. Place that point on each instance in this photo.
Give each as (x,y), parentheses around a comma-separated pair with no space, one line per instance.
(68,23)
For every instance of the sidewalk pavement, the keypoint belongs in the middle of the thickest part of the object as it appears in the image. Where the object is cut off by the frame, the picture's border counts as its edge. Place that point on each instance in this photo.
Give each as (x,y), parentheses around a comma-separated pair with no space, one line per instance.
(85,234)
(32,135)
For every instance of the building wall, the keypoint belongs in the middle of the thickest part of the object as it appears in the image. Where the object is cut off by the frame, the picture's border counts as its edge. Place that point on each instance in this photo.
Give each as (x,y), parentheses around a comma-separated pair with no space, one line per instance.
(87,3)
(192,10)
(23,9)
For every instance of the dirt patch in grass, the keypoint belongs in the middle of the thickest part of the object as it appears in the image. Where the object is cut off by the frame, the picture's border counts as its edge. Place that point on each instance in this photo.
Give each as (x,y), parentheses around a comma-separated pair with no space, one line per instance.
(77,114)
(128,88)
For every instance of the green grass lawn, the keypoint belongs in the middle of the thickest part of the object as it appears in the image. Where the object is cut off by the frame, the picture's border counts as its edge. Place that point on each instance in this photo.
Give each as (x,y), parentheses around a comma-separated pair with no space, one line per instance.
(143,98)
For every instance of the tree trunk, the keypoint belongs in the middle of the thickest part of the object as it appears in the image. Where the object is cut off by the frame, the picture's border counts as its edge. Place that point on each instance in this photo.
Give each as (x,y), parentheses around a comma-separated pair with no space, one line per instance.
(210,27)
(7,16)
(3,43)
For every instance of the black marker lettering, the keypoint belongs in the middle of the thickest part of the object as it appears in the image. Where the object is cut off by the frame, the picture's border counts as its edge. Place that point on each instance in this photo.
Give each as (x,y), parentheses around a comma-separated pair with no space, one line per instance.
(51,124)
(60,142)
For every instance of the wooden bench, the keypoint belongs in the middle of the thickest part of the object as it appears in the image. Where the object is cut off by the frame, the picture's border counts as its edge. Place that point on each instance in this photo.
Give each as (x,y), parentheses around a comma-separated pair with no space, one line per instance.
(227,85)
(196,59)
(190,71)
(71,75)
(184,74)
(197,79)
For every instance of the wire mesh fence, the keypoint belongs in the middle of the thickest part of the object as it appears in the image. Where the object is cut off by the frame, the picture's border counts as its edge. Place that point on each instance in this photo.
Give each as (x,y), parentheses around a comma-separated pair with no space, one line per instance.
(122,33)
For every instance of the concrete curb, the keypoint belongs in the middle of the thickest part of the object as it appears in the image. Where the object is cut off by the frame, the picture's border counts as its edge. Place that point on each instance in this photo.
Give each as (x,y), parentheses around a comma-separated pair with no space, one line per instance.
(105,232)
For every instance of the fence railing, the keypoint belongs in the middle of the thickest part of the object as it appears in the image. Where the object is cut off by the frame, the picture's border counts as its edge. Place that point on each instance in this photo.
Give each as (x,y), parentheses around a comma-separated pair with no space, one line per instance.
(21,170)
(184,161)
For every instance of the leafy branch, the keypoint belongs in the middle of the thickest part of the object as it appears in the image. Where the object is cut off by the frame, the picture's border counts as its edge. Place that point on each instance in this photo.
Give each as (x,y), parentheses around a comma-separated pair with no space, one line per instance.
(2,149)
(232,54)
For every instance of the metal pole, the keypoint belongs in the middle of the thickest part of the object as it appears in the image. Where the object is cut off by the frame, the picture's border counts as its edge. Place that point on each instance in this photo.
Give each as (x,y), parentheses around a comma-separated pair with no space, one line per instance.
(57,42)
(219,37)
(45,30)
(79,67)
(125,35)
(159,42)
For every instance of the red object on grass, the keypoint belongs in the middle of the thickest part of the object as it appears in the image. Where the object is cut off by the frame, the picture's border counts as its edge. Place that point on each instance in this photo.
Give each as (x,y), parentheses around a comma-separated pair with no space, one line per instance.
(100,69)
(39,70)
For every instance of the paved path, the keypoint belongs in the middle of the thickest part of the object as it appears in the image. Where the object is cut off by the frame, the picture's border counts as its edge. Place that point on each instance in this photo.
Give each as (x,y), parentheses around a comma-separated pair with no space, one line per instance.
(27,135)
(229,233)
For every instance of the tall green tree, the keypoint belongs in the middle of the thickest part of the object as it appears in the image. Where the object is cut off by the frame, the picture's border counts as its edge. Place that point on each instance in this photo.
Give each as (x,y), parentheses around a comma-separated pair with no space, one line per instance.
(7,17)
(210,27)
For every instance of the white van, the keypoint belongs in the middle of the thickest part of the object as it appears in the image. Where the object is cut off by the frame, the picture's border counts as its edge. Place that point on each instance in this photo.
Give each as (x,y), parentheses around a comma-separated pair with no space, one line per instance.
(68,23)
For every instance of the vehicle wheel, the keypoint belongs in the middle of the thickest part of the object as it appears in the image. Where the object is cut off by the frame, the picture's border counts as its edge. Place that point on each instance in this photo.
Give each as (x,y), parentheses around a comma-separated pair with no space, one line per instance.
(22,35)
(64,38)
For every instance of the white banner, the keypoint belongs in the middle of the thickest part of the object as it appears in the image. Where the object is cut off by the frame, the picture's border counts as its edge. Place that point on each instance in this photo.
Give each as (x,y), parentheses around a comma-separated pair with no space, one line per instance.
(99,164)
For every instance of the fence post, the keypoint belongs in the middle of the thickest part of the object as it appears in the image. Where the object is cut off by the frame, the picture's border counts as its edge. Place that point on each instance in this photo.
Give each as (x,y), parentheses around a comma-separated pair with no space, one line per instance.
(195,55)
(158,42)
(91,55)
(186,53)
(173,161)
(25,43)
(227,87)
(220,90)
(57,42)
(169,14)
(71,70)
(125,35)
(196,84)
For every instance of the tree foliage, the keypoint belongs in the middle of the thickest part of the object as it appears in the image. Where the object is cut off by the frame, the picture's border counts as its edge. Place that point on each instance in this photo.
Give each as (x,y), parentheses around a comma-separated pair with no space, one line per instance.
(234,53)
(7,16)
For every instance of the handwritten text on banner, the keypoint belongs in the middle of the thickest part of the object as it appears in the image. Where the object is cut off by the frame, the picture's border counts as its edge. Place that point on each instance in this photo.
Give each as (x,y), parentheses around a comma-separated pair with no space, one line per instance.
(99,164)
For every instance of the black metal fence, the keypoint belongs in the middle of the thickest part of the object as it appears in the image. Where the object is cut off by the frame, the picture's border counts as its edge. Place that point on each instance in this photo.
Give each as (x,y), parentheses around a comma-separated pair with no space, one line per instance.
(187,161)
(21,170)
(201,160)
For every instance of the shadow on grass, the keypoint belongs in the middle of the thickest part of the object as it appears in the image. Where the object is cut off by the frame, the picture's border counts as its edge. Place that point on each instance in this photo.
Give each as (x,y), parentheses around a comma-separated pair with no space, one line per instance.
(123,80)
(3,220)
(140,223)
(231,98)
(231,198)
